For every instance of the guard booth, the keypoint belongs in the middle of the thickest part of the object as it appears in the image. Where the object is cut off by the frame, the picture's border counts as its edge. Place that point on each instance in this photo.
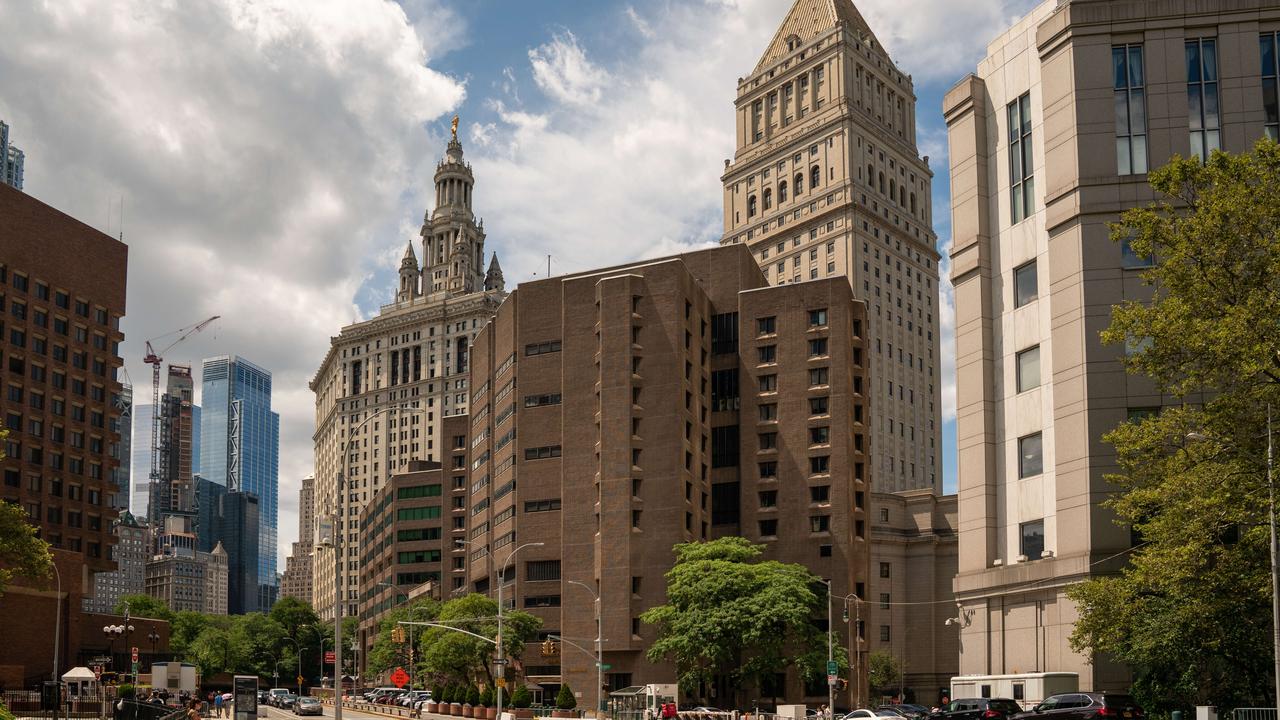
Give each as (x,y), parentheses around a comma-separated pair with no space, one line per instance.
(640,702)
(81,682)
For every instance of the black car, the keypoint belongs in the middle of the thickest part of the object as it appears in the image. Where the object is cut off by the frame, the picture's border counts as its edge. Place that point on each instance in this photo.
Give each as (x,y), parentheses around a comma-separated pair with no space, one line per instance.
(914,712)
(1086,706)
(978,709)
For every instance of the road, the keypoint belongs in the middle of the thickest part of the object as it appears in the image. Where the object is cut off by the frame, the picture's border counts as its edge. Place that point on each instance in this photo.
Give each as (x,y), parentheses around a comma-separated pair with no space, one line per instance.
(278,714)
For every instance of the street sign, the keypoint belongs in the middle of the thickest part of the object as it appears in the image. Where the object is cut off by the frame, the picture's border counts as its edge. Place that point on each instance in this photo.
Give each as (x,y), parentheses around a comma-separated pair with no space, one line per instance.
(605,666)
(399,677)
(135,654)
(329,656)
(97,672)
(500,682)
(299,681)
(832,668)
(831,680)
(101,660)
(500,661)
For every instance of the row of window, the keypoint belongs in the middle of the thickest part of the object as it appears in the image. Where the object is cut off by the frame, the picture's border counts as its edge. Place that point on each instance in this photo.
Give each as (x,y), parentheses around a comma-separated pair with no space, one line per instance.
(61,299)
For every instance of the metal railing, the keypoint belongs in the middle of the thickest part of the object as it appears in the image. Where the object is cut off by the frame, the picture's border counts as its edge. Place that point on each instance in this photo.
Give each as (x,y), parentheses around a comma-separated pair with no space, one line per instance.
(1254,714)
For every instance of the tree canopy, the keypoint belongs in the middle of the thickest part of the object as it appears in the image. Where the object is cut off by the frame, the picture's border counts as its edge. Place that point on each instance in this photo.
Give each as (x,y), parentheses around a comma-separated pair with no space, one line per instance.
(22,552)
(455,656)
(730,614)
(1190,612)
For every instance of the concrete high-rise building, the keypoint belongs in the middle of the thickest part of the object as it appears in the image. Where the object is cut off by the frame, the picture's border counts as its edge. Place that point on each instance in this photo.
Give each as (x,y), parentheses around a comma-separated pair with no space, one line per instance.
(216,576)
(665,401)
(240,450)
(64,284)
(230,519)
(297,581)
(131,552)
(1050,140)
(171,492)
(11,160)
(827,181)
(386,384)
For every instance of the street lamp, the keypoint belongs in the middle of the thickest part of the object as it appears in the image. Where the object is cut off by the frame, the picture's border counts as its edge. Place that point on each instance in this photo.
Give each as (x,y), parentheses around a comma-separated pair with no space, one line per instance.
(501,661)
(857,642)
(831,684)
(57,623)
(1275,548)
(339,561)
(115,631)
(599,642)
(298,649)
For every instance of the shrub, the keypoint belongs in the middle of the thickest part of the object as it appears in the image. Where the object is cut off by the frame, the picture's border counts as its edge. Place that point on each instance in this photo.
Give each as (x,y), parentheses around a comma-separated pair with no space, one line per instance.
(437,693)
(486,697)
(521,698)
(4,713)
(565,699)
(473,695)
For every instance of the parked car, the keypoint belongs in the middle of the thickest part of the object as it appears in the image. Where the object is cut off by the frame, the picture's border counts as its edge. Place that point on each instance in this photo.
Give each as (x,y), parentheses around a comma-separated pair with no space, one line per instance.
(908,710)
(413,697)
(1085,706)
(308,705)
(423,700)
(376,693)
(862,714)
(889,711)
(274,695)
(264,697)
(978,709)
(287,701)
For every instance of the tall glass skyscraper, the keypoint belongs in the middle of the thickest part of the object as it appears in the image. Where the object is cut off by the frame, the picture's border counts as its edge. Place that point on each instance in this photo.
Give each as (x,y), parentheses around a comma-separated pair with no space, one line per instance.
(240,450)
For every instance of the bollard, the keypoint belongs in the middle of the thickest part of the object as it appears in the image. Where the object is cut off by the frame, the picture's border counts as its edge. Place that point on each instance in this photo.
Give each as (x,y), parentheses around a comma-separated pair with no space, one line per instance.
(1176,715)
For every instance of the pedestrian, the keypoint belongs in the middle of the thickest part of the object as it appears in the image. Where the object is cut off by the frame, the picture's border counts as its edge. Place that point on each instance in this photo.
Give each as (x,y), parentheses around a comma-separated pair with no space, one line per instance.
(217,704)
(193,712)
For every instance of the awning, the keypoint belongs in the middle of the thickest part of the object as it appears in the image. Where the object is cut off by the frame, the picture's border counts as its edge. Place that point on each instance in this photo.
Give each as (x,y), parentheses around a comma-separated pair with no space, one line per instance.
(628,691)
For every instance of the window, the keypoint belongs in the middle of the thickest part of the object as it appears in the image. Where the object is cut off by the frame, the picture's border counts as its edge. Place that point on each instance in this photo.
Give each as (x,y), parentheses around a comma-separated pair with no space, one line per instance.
(768,198)
(542,348)
(724,333)
(818,376)
(726,503)
(1202,97)
(542,505)
(768,412)
(769,528)
(768,353)
(751,206)
(1131,259)
(768,383)
(820,523)
(417,556)
(818,318)
(1030,456)
(542,453)
(884,570)
(818,406)
(769,498)
(724,390)
(1032,541)
(541,601)
(767,325)
(820,494)
(1131,109)
(541,400)
(884,633)
(819,435)
(884,601)
(724,446)
(418,491)
(768,441)
(815,176)
(1028,369)
(424,513)
(1025,286)
(768,470)
(1022,185)
(1271,85)
(542,570)
(819,465)
(817,347)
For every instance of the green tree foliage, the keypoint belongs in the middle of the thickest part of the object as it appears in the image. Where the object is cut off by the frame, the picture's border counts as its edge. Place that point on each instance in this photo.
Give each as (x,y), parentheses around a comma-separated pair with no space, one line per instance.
(521,697)
(455,655)
(387,654)
(486,696)
(5,714)
(21,552)
(884,672)
(184,628)
(729,614)
(1190,611)
(473,695)
(293,614)
(565,699)
(143,606)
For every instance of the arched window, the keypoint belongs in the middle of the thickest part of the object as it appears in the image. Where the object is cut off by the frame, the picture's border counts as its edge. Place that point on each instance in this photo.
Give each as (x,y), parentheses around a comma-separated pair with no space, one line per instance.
(768,198)
(881,183)
(815,176)
(913,203)
(893,190)
(871,176)
(751,206)
(782,192)
(902,196)
(799,183)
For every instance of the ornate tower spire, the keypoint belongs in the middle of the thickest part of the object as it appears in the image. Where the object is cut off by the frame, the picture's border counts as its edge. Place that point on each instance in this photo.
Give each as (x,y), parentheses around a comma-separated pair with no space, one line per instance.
(452,239)
(493,278)
(410,276)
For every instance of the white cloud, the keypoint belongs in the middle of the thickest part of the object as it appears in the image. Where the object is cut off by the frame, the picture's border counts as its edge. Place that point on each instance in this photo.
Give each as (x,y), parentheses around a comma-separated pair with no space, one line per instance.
(561,70)
(938,39)
(265,152)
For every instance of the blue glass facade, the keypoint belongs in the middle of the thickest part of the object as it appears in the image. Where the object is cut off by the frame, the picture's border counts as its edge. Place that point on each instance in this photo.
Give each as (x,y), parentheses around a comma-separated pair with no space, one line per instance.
(240,450)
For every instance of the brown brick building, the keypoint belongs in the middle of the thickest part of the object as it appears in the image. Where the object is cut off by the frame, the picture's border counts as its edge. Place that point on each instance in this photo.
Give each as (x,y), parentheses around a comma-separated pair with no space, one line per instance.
(62,289)
(665,401)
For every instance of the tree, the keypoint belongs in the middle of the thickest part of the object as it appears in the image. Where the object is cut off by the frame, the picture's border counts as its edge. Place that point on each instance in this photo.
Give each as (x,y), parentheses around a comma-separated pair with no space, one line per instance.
(884,672)
(216,649)
(1190,612)
(184,628)
(565,699)
(728,614)
(386,653)
(143,606)
(521,698)
(21,551)
(456,655)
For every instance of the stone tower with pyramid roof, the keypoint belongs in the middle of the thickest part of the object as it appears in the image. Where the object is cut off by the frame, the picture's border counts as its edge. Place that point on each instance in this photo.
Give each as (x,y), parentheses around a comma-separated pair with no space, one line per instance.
(827,180)
(408,366)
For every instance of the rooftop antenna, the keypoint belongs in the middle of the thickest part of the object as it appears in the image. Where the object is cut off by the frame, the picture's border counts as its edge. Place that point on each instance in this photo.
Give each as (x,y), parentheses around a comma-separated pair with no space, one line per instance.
(548,266)
(121,218)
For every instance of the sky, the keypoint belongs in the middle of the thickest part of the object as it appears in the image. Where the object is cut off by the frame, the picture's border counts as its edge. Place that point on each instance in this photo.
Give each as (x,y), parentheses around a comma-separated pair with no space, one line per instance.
(268,160)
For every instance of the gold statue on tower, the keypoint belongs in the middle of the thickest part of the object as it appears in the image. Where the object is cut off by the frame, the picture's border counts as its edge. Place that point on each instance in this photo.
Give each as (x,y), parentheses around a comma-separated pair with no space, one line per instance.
(455,128)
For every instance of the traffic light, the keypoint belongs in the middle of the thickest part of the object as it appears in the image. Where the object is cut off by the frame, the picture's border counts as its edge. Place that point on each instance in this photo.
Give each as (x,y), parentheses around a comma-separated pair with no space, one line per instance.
(548,647)
(397,634)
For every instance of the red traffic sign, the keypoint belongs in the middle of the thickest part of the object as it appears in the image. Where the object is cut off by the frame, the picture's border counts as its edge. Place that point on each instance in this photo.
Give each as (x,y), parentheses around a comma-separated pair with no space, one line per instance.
(135,653)
(399,677)
(329,656)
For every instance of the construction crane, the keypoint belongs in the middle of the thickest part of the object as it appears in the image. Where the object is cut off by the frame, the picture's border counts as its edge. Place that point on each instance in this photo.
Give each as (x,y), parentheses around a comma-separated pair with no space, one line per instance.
(155,359)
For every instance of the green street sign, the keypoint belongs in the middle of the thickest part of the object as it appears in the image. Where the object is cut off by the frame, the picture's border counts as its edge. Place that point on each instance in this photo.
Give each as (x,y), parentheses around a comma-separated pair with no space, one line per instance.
(605,666)
(832,668)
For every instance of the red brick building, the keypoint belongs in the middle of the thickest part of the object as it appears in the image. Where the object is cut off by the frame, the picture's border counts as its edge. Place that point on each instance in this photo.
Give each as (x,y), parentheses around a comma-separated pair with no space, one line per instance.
(62,293)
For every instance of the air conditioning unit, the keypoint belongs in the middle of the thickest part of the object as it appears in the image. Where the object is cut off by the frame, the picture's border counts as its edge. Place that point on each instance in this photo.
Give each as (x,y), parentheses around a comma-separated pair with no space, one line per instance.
(1022,558)
(1046,554)
(997,562)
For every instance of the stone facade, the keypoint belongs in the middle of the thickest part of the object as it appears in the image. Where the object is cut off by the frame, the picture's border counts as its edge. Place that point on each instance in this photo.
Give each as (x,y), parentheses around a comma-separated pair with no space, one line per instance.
(1036,275)
(297,580)
(131,551)
(387,383)
(827,181)
(913,561)
(665,401)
